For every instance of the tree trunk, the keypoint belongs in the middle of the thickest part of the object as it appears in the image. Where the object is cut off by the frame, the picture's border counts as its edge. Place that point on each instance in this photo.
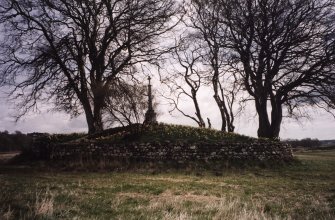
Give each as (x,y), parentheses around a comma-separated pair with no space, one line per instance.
(98,124)
(94,123)
(94,120)
(98,106)
(231,127)
(276,118)
(89,120)
(266,128)
(222,112)
(229,117)
(263,119)
(197,110)
(216,84)
(99,93)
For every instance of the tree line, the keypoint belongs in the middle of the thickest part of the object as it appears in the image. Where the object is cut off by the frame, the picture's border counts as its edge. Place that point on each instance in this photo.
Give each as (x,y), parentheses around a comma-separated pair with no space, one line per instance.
(16,141)
(306,142)
(91,57)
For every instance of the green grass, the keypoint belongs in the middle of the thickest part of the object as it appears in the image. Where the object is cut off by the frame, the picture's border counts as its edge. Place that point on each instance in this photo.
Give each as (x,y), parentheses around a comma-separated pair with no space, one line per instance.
(302,190)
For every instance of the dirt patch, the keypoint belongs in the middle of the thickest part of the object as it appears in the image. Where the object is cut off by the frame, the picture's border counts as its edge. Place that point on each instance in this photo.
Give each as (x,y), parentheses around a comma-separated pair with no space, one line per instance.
(6,156)
(170,179)
(135,195)
(189,180)
(170,196)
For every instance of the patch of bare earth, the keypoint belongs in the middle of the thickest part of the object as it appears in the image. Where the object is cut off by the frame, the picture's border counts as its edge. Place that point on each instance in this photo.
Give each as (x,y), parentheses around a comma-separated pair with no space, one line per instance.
(170,196)
(188,180)
(6,156)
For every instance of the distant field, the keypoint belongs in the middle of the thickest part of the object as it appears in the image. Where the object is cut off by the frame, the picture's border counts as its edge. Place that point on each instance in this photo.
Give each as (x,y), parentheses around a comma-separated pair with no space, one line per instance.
(303,190)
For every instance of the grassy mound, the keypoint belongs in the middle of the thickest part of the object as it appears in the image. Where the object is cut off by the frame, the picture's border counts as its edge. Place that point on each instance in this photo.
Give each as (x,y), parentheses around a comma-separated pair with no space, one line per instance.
(165,132)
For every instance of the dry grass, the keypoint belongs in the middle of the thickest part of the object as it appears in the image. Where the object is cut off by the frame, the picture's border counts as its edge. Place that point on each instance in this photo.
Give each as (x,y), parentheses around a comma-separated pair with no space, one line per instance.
(42,208)
(304,190)
(7,214)
(44,204)
(173,206)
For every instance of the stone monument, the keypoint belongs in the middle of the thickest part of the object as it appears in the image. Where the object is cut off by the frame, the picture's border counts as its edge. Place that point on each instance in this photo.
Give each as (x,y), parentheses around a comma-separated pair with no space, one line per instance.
(150,115)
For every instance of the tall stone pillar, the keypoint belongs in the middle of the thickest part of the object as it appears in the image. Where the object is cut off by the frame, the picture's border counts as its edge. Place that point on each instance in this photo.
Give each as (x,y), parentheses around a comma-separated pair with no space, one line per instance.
(150,115)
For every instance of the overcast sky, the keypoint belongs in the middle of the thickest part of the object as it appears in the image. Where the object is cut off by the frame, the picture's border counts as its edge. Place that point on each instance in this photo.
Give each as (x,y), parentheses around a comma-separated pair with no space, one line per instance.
(321,127)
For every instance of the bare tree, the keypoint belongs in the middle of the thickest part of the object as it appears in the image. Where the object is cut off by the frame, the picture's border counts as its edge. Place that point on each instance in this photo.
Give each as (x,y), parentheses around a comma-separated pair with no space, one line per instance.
(127,103)
(204,20)
(70,52)
(187,77)
(285,51)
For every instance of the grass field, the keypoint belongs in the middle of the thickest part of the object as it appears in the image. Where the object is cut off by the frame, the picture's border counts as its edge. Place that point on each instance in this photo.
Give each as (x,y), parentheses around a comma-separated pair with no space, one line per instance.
(303,190)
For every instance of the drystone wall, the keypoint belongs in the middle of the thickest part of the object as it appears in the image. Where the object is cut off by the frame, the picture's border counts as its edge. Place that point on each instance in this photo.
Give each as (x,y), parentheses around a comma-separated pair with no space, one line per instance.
(258,150)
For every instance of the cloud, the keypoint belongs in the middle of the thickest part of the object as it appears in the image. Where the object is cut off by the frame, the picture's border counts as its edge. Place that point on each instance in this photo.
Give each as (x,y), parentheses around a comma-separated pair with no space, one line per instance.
(43,122)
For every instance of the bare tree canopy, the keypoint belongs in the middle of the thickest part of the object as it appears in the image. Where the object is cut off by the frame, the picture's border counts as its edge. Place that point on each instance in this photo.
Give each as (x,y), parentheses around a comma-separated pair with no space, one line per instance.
(78,54)
(186,78)
(285,54)
(70,52)
(206,27)
(127,103)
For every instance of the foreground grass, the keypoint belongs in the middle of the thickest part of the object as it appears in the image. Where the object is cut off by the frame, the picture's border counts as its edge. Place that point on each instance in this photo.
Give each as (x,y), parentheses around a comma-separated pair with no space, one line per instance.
(304,190)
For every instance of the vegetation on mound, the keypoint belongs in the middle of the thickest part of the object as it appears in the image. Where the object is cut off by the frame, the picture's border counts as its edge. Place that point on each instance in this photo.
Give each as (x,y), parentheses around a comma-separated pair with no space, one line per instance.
(62,138)
(167,132)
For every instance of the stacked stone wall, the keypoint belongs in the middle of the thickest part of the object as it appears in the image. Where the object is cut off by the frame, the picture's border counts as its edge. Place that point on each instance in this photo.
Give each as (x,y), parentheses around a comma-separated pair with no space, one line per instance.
(174,151)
